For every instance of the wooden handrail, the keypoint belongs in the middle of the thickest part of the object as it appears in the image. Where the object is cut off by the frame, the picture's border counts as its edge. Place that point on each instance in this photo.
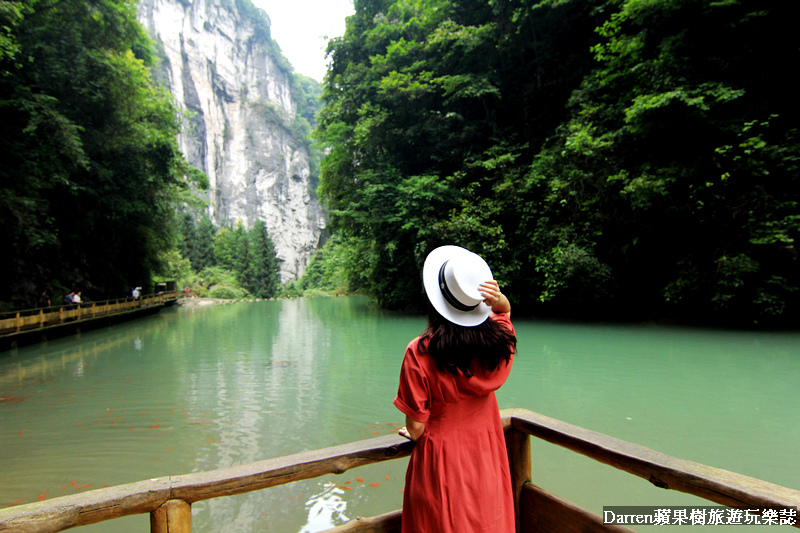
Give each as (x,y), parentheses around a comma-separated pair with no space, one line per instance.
(145,297)
(663,471)
(39,318)
(99,505)
(168,499)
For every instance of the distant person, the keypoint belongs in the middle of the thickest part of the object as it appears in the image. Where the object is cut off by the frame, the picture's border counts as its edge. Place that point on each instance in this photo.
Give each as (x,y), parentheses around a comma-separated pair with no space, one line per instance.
(44,300)
(136,293)
(76,299)
(458,478)
(68,299)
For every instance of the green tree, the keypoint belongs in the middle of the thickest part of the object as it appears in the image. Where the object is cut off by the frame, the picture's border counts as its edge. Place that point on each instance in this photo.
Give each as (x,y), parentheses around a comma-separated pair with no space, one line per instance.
(243,261)
(432,112)
(264,267)
(205,243)
(91,168)
(225,248)
(677,170)
(187,242)
(623,158)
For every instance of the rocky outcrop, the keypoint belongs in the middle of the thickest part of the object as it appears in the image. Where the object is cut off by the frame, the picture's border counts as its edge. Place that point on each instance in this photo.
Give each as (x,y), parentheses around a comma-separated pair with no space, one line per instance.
(223,69)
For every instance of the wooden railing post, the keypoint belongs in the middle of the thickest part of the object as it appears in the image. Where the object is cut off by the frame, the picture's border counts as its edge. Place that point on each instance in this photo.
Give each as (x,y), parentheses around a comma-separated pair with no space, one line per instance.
(518,446)
(173,516)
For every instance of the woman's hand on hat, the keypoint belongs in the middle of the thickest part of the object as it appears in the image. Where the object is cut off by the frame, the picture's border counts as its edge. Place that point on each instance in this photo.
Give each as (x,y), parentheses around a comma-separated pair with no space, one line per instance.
(490,290)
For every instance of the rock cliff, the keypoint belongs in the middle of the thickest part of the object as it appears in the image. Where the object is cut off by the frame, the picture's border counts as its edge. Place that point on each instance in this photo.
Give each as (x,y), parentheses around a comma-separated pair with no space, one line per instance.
(224,70)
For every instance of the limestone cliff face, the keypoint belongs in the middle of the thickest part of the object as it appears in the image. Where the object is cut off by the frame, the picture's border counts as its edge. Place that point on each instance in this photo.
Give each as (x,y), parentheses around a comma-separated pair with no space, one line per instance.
(218,65)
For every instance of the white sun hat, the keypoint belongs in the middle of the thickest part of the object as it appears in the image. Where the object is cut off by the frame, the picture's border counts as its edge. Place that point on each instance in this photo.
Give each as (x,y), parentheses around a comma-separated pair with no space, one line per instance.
(451,276)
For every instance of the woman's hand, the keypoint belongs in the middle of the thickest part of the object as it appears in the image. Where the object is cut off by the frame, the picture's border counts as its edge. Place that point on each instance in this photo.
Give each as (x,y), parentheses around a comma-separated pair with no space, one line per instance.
(490,290)
(412,430)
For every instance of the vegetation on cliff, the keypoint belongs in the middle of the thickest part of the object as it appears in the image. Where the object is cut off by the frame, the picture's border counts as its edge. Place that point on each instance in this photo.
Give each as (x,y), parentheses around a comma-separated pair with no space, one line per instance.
(610,158)
(91,171)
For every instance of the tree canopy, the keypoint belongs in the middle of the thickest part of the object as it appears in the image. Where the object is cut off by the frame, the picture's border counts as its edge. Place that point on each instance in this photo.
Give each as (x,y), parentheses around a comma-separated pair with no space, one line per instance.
(91,170)
(609,158)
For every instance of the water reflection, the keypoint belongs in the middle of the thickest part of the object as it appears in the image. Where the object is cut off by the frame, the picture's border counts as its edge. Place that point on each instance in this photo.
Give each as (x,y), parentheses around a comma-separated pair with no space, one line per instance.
(325,509)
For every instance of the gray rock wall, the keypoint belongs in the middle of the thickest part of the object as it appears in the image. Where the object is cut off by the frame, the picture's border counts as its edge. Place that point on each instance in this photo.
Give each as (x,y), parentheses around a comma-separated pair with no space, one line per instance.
(239,108)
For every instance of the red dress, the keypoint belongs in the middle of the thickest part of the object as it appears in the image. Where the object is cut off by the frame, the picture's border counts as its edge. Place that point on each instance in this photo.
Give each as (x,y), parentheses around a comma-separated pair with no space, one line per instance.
(458,478)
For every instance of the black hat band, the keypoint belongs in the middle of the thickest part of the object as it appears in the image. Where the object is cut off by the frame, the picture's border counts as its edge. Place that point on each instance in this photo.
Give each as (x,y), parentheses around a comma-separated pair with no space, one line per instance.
(448,296)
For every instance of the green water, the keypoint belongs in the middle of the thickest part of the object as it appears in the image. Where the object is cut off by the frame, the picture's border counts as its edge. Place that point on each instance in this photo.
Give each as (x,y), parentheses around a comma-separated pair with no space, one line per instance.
(190,390)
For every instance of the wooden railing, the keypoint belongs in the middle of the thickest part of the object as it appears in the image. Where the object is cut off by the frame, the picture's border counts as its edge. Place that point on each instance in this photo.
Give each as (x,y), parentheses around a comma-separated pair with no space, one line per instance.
(32,319)
(169,499)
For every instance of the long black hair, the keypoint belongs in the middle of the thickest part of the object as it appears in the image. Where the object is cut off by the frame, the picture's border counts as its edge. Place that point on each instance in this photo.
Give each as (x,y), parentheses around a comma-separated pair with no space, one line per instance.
(456,348)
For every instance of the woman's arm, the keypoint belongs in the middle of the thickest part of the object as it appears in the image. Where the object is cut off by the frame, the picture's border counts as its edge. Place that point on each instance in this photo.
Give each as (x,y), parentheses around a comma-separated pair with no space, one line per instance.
(494,298)
(413,429)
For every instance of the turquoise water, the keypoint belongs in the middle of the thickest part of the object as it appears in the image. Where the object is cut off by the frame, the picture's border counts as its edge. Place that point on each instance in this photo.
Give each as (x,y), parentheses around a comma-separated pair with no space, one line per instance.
(194,389)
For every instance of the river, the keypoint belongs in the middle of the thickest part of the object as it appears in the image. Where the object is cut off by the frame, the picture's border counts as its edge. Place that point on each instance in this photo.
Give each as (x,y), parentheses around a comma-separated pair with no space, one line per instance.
(198,388)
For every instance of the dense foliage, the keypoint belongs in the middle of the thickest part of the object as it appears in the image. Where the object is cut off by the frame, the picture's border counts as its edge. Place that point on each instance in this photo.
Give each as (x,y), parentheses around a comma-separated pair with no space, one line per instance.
(91,172)
(610,158)
(93,188)
(242,261)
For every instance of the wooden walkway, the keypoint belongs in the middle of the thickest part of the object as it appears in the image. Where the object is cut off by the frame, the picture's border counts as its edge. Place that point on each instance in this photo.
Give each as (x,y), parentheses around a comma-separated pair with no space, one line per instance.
(169,499)
(35,325)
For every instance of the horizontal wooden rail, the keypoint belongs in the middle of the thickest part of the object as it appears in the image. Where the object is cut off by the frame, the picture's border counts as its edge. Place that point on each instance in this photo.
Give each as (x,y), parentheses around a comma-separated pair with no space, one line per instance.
(714,484)
(168,499)
(32,319)
(98,505)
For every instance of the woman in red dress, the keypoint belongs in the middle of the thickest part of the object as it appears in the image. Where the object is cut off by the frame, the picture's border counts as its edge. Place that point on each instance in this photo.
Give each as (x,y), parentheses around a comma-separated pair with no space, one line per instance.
(458,478)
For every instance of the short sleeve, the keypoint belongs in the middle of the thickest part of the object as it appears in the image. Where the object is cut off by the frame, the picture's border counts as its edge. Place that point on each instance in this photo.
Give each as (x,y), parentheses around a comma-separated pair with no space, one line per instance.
(413,393)
(505,320)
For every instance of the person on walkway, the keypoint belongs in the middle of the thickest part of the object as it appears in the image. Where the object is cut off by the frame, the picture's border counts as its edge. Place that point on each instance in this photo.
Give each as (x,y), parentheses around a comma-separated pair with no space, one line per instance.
(44,300)
(458,478)
(76,299)
(68,299)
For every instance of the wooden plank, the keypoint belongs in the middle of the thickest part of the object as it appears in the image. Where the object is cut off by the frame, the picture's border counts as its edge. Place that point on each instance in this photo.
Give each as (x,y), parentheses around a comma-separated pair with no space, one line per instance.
(385,523)
(8,324)
(272,472)
(544,512)
(714,484)
(144,497)
(65,512)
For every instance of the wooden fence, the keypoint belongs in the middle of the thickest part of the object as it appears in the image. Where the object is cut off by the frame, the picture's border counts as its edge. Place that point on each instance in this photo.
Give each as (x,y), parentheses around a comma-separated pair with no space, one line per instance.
(33,319)
(169,499)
